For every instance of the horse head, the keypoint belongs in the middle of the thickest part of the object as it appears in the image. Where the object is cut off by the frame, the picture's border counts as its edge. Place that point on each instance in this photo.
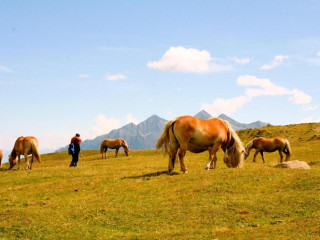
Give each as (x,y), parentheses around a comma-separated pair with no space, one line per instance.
(126,151)
(12,161)
(233,157)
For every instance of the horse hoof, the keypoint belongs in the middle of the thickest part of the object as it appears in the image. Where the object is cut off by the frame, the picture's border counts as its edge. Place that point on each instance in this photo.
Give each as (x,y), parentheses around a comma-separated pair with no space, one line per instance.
(185,171)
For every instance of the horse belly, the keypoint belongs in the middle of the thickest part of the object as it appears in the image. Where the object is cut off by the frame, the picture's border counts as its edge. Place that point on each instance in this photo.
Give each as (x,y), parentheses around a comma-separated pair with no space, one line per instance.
(203,140)
(196,149)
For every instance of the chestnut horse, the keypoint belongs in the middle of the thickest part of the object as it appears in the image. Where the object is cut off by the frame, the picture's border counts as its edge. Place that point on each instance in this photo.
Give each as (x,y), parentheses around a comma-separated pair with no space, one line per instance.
(262,144)
(198,135)
(24,146)
(1,156)
(113,144)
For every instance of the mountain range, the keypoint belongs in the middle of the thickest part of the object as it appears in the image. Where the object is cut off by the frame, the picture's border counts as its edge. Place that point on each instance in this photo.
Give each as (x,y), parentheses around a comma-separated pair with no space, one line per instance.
(145,134)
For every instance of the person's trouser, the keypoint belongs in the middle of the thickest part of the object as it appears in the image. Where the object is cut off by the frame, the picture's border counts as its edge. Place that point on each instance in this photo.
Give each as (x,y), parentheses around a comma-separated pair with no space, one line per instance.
(75,158)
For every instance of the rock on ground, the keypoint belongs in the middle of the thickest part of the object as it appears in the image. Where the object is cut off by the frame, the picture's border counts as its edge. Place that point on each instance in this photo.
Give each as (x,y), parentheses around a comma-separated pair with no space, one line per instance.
(295,164)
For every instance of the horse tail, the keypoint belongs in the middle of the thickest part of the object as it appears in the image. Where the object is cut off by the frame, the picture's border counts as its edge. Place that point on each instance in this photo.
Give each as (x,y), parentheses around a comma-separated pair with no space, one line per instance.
(237,145)
(164,139)
(1,155)
(101,147)
(35,151)
(288,147)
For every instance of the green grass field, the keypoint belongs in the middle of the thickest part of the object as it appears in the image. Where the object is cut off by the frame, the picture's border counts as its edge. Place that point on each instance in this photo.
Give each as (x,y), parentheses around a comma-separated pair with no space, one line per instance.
(134,197)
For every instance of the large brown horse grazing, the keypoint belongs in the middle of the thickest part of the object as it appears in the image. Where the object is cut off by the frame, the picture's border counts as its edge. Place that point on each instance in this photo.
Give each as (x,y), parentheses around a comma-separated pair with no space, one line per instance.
(198,135)
(1,156)
(113,144)
(24,146)
(268,145)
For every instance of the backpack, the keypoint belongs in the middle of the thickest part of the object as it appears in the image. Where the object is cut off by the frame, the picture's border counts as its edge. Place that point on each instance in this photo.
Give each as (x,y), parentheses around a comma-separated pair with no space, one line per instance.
(71,149)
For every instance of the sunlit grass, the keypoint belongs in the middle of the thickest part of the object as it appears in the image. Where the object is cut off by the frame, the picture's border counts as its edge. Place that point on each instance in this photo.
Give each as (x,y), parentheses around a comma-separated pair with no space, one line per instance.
(134,197)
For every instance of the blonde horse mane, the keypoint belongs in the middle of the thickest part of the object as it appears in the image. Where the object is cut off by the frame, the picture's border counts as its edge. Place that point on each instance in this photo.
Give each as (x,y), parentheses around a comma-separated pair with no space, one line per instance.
(237,145)
(248,148)
(125,145)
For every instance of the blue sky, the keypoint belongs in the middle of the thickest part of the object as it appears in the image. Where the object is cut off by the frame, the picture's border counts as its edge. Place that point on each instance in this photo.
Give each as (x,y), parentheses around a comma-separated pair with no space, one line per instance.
(92,66)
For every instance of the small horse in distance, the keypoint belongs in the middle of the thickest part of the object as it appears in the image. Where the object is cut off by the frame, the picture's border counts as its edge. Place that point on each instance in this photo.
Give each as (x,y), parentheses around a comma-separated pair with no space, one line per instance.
(113,144)
(1,156)
(24,146)
(262,144)
(198,135)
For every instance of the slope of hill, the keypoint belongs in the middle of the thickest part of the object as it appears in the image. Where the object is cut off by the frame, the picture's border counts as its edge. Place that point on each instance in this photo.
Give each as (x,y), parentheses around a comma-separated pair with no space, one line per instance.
(145,134)
(134,198)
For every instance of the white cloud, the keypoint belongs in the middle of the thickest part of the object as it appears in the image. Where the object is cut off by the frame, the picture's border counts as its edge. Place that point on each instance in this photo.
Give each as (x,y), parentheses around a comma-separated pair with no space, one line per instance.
(309,120)
(180,59)
(220,67)
(131,119)
(226,106)
(114,77)
(264,87)
(300,97)
(84,75)
(54,140)
(310,108)
(5,69)
(278,60)
(103,125)
(318,54)
(240,60)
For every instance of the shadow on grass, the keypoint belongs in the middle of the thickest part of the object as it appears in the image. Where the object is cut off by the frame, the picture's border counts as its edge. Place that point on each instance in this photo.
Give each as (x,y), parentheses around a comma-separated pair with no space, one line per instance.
(148,175)
(7,169)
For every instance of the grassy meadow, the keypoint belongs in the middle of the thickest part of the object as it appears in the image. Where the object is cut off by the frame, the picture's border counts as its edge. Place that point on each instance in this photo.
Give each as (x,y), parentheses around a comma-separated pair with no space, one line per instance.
(134,197)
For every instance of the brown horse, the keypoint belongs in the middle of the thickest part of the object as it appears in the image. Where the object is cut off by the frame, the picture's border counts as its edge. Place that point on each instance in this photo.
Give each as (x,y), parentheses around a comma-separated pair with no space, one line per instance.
(1,156)
(198,135)
(113,144)
(24,146)
(268,145)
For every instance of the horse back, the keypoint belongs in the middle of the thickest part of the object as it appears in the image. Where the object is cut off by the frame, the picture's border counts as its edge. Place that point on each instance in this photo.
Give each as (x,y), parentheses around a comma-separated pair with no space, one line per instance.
(112,143)
(269,144)
(200,132)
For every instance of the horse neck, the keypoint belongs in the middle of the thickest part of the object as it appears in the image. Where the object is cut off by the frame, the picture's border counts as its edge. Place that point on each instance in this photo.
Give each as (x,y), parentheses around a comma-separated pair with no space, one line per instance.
(248,147)
(124,145)
(13,154)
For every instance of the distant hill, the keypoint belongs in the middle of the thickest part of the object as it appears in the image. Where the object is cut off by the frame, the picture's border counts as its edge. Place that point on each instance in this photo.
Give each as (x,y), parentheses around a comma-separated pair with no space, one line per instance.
(145,134)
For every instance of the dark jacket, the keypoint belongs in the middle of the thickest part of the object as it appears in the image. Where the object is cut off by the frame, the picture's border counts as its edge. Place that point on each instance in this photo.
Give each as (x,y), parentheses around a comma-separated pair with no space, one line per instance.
(76,142)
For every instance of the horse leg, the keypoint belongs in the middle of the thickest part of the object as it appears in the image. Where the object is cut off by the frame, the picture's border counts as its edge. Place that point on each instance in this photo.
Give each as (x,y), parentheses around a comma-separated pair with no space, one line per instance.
(105,153)
(213,157)
(182,153)
(281,156)
(117,150)
(31,162)
(261,152)
(255,154)
(172,158)
(19,161)
(27,161)
(209,163)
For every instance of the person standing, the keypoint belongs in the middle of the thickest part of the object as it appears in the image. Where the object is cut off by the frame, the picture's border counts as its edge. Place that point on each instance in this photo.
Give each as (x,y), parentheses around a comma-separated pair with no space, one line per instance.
(76,140)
